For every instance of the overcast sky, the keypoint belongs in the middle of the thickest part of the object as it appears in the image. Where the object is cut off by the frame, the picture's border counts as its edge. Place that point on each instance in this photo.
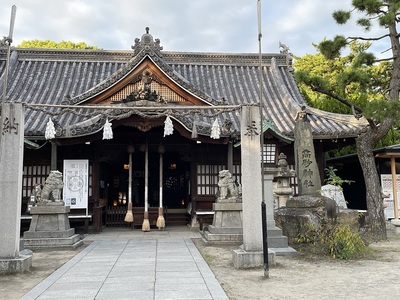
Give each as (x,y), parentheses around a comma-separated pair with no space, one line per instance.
(181,25)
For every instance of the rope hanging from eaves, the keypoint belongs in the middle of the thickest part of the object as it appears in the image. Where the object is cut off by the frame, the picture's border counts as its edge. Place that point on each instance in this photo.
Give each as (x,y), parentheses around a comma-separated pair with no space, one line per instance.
(115,113)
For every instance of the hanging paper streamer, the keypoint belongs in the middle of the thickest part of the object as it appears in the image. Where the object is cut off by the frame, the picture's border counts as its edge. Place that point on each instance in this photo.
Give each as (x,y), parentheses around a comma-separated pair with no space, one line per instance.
(107,131)
(194,131)
(50,132)
(168,127)
(215,130)
(194,128)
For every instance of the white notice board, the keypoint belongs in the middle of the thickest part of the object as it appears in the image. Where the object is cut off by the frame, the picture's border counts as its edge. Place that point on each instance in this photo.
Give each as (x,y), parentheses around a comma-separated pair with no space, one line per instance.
(387,189)
(76,183)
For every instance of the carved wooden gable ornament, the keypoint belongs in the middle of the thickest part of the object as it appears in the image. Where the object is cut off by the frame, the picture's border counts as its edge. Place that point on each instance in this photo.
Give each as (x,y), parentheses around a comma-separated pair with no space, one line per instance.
(146,78)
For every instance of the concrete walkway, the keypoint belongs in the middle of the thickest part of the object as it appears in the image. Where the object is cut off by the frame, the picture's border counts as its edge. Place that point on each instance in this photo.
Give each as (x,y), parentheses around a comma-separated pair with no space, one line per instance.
(126,264)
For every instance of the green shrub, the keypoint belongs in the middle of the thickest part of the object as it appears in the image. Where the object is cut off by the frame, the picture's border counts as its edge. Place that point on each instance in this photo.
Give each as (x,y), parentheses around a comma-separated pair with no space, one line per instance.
(308,234)
(344,243)
(338,241)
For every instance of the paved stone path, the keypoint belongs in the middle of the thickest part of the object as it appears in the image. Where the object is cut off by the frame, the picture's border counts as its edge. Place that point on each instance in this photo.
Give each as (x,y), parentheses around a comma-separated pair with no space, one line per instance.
(133,265)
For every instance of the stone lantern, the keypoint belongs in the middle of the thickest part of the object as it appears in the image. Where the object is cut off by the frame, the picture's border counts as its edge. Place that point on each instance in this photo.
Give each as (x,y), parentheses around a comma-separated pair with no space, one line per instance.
(282,181)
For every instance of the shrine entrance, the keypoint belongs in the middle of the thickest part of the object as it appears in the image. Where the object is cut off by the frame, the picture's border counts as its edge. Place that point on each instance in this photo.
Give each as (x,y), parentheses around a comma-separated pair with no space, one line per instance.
(175,182)
(169,170)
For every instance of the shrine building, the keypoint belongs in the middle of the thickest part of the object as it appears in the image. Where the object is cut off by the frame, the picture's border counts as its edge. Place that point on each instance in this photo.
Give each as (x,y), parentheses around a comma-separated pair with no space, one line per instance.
(154,125)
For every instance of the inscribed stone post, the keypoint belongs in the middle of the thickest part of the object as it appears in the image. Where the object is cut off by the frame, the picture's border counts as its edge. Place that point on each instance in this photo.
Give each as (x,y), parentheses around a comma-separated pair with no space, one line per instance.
(251,178)
(309,181)
(11,165)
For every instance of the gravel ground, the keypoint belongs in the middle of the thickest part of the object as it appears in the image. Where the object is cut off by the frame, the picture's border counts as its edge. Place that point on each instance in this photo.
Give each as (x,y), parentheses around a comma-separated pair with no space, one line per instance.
(294,277)
(303,276)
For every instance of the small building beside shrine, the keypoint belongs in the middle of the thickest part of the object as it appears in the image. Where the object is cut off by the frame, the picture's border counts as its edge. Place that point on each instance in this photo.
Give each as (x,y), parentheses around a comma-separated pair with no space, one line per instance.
(136,92)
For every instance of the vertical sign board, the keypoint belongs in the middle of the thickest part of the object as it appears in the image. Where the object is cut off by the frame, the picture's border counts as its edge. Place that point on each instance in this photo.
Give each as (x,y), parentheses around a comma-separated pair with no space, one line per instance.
(387,189)
(76,183)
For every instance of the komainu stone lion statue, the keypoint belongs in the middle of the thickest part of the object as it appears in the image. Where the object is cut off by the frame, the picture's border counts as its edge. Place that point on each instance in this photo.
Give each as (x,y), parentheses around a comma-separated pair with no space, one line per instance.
(51,191)
(229,190)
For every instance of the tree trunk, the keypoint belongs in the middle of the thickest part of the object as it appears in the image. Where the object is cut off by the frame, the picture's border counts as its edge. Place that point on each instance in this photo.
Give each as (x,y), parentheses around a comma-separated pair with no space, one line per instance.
(376,219)
(366,141)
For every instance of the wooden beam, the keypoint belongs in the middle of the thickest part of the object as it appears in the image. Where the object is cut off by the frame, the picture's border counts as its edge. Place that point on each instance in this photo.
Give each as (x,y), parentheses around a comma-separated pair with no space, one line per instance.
(394,185)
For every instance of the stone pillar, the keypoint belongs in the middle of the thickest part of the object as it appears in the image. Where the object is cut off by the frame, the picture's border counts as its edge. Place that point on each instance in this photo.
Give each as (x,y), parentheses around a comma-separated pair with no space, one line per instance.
(11,169)
(309,181)
(251,178)
(251,252)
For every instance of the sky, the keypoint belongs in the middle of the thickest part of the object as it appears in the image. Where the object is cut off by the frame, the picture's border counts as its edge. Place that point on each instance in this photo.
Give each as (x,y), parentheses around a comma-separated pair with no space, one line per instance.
(181,25)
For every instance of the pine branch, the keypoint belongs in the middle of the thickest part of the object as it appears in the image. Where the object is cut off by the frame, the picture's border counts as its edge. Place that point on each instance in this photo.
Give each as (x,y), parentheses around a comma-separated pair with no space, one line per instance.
(337,97)
(368,39)
(347,103)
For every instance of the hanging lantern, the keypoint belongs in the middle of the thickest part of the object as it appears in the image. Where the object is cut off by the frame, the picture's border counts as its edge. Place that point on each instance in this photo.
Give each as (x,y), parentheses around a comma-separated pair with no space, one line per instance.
(107,131)
(50,132)
(168,127)
(215,130)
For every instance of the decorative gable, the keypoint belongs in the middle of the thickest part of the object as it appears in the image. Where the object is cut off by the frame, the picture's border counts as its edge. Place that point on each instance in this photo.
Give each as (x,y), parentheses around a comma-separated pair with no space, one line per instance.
(145,77)
(146,82)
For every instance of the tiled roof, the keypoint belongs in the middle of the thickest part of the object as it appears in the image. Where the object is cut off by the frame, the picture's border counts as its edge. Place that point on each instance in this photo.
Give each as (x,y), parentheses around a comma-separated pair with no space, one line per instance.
(49,76)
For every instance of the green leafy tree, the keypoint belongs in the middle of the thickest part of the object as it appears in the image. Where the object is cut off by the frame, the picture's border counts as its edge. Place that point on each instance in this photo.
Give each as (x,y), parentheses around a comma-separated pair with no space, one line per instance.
(316,72)
(48,44)
(381,111)
(334,73)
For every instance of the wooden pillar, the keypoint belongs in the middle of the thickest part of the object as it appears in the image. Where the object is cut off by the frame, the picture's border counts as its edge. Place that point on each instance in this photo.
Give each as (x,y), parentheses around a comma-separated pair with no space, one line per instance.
(96,177)
(394,185)
(53,163)
(146,223)
(230,157)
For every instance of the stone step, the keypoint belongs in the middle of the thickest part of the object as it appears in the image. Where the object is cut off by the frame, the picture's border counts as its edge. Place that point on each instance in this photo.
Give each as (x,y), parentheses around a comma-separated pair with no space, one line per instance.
(283,251)
(174,219)
(277,241)
(210,238)
(40,243)
(276,231)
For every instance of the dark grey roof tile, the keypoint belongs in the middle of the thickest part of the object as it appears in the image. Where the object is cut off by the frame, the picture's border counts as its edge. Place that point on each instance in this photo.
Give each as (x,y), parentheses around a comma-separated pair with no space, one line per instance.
(49,76)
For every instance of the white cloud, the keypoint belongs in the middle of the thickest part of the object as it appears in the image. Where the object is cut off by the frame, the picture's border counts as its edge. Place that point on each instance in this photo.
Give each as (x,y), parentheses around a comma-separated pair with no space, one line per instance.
(181,25)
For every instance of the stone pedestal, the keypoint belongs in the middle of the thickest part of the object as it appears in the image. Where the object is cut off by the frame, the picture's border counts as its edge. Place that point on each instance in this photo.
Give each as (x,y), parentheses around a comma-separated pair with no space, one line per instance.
(18,264)
(396,224)
(243,259)
(50,228)
(304,210)
(227,224)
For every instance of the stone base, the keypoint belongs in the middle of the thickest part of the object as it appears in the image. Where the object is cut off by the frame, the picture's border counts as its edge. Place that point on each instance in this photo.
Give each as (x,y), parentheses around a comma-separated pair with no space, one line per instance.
(278,242)
(49,234)
(275,238)
(227,225)
(299,212)
(49,218)
(396,224)
(71,242)
(16,265)
(228,215)
(50,228)
(243,259)
(216,235)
